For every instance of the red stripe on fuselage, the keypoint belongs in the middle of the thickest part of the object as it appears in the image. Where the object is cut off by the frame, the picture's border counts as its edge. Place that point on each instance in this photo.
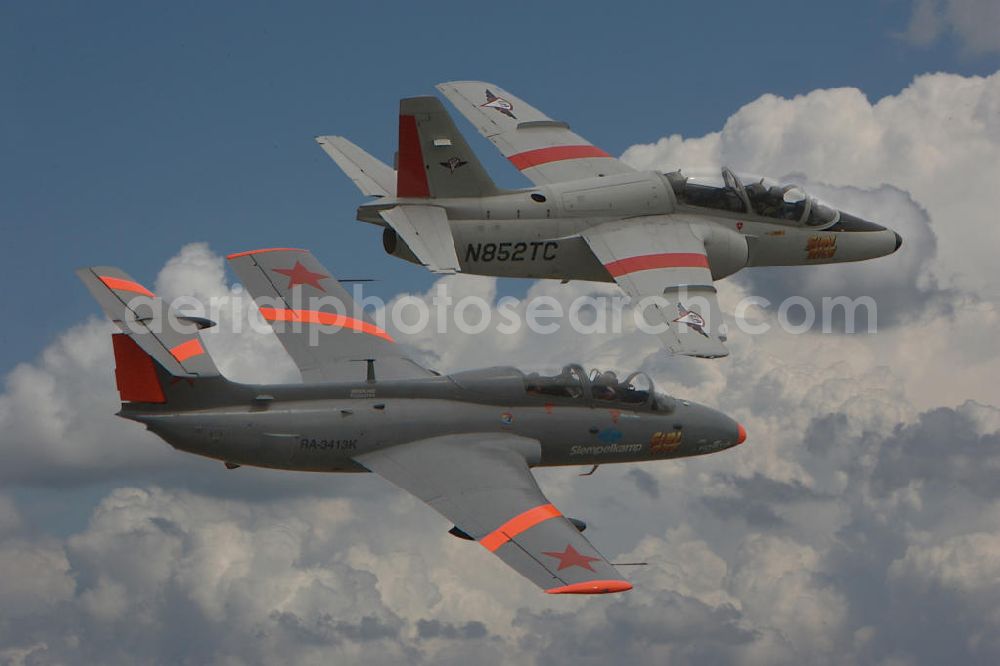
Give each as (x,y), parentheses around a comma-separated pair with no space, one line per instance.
(648,262)
(533,158)
(326,319)
(411,174)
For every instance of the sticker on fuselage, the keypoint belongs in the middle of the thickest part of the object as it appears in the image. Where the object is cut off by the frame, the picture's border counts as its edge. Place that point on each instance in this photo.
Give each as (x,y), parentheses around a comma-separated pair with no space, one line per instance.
(666,442)
(511,251)
(328,444)
(610,435)
(603,449)
(821,247)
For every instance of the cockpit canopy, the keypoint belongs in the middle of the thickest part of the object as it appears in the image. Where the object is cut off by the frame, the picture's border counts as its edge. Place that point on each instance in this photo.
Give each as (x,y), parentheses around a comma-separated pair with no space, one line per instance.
(602,387)
(751,194)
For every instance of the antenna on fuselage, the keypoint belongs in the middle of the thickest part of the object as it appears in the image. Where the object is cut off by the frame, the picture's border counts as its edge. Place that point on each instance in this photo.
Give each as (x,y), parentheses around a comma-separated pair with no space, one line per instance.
(369,368)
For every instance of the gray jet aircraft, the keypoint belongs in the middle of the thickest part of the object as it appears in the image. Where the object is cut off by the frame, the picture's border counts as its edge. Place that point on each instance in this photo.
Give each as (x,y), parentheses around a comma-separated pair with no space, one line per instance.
(462,443)
(589,216)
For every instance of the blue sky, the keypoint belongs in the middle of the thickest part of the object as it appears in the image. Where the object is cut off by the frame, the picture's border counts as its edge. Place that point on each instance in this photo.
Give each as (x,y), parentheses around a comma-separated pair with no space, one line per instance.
(129,129)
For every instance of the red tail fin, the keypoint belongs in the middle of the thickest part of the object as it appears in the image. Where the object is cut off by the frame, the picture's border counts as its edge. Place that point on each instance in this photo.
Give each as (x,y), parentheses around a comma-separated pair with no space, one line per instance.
(135,373)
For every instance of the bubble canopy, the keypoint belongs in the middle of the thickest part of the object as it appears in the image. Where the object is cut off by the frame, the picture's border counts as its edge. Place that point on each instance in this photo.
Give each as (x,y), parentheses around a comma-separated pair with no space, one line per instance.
(750,194)
(574,383)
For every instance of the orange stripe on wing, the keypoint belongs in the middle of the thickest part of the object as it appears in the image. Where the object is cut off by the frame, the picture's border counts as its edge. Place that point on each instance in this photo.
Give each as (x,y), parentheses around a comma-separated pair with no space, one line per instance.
(186,350)
(266,249)
(125,285)
(653,261)
(519,523)
(326,319)
(533,158)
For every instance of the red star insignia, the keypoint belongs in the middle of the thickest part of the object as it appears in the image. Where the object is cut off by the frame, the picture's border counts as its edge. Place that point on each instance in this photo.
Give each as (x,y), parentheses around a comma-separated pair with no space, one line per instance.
(572,558)
(299,274)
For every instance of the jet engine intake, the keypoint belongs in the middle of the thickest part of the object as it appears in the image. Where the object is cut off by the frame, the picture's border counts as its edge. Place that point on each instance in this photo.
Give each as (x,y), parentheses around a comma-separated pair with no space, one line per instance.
(727,250)
(397,247)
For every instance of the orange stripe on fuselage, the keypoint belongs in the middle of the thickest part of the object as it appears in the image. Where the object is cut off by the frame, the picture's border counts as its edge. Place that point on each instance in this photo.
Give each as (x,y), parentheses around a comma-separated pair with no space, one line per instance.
(326,319)
(186,350)
(533,158)
(648,262)
(519,523)
(125,285)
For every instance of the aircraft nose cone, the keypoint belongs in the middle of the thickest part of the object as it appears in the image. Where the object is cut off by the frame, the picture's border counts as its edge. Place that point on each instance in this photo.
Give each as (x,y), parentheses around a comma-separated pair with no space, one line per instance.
(899,240)
(742,433)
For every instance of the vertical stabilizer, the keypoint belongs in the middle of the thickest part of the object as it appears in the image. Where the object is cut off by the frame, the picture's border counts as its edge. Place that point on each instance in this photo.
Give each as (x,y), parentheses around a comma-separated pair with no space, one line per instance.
(434,159)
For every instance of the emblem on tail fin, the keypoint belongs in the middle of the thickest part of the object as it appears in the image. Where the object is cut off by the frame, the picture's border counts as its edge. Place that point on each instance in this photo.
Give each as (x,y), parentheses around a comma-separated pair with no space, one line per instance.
(453,163)
(500,104)
(694,320)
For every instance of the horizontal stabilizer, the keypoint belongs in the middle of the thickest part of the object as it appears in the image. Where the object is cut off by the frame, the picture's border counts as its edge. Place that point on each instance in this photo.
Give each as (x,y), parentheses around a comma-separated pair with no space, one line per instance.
(171,341)
(373,177)
(426,230)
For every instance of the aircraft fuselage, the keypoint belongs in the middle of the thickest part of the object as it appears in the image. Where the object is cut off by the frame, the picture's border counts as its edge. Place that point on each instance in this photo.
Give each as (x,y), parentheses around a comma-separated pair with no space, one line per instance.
(322,427)
(536,232)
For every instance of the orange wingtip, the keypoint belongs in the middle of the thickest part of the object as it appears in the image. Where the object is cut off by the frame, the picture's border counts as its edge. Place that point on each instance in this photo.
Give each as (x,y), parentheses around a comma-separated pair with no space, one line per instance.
(743,434)
(266,249)
(593,587)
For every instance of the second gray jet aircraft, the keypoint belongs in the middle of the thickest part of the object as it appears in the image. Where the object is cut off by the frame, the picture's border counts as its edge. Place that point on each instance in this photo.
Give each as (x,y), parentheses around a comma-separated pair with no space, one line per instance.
(463,443)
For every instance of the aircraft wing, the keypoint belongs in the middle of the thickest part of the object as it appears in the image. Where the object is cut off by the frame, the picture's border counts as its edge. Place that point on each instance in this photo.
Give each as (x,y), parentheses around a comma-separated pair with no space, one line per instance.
(666,262)
(317,321)
(544,150)
(373,178)
(481,482)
